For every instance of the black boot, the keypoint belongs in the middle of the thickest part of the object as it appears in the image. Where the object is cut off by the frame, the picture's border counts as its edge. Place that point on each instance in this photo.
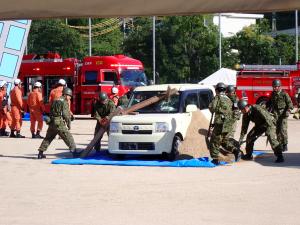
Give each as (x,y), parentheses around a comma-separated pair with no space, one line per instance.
(279,159)
(18,135)
(41,155)
(247,157)
(12,134)
(38,135)
(284,148)
(215,161)
(237,155)
(33,135)
(76,154)
(4,133)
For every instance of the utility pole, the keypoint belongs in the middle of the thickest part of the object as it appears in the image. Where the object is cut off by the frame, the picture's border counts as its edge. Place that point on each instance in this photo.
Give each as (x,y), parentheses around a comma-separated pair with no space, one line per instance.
(90,37)
(220,43)
(297,35)
(153,43)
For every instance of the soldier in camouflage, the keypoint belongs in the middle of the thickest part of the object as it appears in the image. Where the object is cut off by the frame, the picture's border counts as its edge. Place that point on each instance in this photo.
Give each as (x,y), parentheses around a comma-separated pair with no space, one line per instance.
(221,106)
(264,122)
(281,106)
(59,123)
(103,109)
(236,114)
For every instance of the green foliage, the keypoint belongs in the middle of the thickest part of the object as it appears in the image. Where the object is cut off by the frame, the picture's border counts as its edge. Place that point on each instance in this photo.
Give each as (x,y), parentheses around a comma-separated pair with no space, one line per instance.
(54,36)
(186,48)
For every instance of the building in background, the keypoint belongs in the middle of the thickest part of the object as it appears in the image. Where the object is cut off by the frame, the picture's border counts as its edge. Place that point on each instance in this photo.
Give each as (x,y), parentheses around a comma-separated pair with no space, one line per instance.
(231,23)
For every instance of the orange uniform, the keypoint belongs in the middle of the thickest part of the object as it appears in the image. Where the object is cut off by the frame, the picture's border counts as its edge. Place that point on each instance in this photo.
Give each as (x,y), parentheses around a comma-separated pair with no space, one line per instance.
(56,93)
(2,115)
(36,109)
(16,108)
(5,117)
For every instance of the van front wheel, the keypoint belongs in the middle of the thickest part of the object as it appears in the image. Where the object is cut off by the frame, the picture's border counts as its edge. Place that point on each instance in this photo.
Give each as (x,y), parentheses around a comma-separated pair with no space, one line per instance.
(175,148)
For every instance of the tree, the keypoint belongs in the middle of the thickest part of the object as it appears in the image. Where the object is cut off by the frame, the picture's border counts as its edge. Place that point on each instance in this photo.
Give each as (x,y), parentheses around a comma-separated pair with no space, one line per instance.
(186,46)
(54,36)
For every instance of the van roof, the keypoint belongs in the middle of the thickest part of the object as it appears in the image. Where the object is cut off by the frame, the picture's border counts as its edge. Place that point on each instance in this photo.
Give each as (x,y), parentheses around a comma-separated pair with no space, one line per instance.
(179,87)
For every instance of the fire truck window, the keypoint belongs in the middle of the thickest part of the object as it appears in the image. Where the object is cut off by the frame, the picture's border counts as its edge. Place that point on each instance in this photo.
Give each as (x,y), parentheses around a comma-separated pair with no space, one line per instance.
(205,98)
(110,76)
(191,99)
(91,77)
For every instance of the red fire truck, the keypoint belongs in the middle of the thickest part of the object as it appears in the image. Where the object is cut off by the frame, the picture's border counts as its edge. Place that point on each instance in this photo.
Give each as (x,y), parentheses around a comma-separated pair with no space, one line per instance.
(254,82)
(86,78)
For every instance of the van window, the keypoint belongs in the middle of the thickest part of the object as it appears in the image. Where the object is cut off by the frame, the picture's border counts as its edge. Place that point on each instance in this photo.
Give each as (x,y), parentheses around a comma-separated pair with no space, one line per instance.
(205,97)
(110,76)
(191,99)
(91,77)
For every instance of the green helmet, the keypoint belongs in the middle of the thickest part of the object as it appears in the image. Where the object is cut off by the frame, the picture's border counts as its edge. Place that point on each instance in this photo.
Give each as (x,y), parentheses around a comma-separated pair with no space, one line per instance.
(242,104)
(67,91)
(220,87)
(276,83)
(102,96)
(230,89)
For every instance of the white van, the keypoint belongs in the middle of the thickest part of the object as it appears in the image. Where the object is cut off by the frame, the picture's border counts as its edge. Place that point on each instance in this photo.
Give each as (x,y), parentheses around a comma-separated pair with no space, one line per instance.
(159,128)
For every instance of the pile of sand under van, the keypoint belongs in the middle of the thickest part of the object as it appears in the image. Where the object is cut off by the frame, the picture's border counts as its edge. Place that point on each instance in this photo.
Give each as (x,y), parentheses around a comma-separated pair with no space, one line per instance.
(194,144)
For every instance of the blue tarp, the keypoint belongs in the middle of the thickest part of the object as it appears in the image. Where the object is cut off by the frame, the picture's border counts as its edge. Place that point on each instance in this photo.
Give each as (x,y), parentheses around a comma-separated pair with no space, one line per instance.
(105,159)
(26,117)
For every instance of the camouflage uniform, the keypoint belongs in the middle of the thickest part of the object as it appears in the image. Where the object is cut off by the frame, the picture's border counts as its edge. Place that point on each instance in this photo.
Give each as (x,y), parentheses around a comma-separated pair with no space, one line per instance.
(102,111)
(222,107)
(264,123)
(60,124)
(281,104)
(236,114)
(123,101)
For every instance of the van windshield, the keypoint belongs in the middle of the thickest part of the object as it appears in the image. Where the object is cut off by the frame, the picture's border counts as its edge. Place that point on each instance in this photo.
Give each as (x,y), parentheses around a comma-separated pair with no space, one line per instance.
(133,78)
(170,105)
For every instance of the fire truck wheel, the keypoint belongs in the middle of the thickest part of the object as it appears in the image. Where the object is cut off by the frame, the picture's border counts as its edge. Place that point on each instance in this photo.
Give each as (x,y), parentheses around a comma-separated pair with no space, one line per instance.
(262,101)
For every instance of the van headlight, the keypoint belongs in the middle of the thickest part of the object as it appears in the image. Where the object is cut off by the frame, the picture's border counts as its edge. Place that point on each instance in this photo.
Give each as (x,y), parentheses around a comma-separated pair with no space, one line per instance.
(161,127)
(114,127)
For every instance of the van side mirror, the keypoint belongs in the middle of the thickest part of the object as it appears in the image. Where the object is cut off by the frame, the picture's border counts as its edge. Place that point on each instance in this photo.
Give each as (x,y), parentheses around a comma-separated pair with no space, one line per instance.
(191,108)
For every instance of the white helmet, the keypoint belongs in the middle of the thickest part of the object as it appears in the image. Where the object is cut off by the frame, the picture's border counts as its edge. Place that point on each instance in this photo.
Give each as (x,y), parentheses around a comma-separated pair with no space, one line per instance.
(2,83)
(37,84)
(17,81)
(62,82)
(115,90)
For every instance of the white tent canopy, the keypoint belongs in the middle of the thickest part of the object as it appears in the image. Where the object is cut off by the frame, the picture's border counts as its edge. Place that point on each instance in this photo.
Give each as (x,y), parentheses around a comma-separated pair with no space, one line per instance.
(30,9)
(227,76)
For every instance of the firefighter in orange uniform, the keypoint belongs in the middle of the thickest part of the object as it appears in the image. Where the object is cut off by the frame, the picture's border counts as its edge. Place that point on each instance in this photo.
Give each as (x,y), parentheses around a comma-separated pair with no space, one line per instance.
(16,109)
(3,109)
(36,109)
(56,92)
(114,97)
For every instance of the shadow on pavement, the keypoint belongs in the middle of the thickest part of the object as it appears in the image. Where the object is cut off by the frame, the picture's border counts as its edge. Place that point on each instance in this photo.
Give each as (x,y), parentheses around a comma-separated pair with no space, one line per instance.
(292,160)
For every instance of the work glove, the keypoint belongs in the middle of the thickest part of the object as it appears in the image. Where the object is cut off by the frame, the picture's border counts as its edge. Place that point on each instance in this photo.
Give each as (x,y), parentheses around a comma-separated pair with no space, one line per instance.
(103,122)
(287,114)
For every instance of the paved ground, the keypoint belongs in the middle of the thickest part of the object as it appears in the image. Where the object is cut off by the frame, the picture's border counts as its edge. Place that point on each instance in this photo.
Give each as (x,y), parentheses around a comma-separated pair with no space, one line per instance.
(35,192)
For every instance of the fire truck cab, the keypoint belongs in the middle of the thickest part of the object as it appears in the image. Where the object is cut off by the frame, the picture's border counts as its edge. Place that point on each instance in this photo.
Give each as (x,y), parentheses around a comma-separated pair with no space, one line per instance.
(254,82)
(86,78)
(101,73)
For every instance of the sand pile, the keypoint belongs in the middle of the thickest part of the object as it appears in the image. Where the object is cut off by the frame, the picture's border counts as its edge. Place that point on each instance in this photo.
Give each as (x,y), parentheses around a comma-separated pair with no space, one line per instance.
(194,145)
